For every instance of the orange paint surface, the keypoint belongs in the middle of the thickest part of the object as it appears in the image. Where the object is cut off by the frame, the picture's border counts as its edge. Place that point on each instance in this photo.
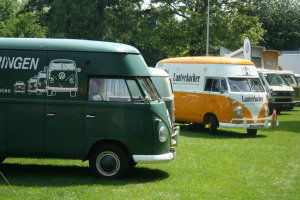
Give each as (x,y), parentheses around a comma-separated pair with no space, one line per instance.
(208,60)
(191,107)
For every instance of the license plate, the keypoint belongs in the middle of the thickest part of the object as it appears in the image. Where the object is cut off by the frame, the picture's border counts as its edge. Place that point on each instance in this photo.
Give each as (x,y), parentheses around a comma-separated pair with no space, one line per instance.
(255,126)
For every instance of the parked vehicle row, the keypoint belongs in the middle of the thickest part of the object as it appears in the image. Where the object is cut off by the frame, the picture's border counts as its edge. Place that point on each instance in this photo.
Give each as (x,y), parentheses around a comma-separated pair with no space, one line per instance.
(99,101)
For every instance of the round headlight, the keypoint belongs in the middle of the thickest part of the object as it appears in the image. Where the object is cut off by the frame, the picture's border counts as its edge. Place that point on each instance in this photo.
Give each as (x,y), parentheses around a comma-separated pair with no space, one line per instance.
(51,80)
(71,80)
(239,111)
(267,111)
(163,134)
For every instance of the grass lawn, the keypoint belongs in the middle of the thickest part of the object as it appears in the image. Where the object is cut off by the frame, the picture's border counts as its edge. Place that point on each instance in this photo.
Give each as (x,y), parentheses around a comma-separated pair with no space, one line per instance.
(230,165)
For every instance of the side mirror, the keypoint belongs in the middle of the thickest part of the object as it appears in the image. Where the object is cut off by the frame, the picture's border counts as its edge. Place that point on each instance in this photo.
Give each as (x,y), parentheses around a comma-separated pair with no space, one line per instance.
(78,69)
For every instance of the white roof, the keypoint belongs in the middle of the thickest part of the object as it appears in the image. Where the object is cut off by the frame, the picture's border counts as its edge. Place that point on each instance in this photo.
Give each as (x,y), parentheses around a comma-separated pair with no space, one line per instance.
(157,72)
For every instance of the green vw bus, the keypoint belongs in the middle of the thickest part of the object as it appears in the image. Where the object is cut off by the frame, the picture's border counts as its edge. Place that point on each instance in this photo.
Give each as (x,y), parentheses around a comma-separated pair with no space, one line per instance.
(108,112)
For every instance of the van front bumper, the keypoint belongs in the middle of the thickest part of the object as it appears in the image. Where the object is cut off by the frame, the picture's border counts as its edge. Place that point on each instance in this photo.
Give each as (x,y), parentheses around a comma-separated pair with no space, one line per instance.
(147,159)
(244,123)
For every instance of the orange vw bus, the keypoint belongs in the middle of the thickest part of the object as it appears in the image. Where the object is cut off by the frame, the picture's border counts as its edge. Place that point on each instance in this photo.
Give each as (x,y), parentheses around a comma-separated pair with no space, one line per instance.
(218,92)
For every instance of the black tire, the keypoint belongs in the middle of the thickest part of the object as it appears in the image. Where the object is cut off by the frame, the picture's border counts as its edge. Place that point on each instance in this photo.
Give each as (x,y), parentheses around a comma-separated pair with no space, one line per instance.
(213,125)
(252,132)
(109,161)
(2,159)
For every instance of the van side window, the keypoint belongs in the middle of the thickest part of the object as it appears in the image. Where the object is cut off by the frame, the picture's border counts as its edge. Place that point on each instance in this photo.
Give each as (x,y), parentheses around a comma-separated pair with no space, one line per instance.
(216,85)
(208,84)
(108,89)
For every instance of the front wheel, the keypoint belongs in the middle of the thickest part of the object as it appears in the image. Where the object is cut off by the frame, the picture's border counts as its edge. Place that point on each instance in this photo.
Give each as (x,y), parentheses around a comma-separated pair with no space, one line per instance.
(252,132)
(109,161)
(213,125)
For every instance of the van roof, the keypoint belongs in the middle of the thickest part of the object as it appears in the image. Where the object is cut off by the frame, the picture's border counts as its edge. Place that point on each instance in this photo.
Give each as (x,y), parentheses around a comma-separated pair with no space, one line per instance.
(208,60)
(65,45)
(158,72)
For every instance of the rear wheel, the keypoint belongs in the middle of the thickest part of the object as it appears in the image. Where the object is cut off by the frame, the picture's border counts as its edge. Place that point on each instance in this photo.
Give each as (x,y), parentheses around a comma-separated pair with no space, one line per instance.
(252,132)
(213,125)
(109,161)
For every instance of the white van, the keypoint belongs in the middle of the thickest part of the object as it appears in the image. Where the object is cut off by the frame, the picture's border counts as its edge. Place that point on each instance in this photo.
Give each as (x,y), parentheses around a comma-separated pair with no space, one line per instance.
(218,92)
(280,93)
(162,82)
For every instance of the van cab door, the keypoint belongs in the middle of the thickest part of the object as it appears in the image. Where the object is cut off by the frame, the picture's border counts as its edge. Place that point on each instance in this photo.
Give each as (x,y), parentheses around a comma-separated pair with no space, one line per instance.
(65,104)
(215,98)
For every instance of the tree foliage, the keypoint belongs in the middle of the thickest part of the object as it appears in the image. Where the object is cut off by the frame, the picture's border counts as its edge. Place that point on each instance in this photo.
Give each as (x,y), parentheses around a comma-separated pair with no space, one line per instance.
(166,28)
(281,20)
(14,24)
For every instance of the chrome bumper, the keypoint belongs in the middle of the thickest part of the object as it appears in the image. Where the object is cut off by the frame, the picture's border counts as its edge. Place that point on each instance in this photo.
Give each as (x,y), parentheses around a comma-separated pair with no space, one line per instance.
(267,123)
(147,159)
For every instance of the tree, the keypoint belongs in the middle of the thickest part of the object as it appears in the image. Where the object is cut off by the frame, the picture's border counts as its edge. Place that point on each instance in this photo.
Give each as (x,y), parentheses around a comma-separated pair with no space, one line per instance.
(281,20)
(229,23)
(13,24)
(84,19)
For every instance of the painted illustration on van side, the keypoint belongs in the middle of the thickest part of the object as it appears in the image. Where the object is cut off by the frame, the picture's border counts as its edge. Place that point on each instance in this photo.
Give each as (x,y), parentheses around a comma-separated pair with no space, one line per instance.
(60,76)
(32,85)
(41,82)
(19,87)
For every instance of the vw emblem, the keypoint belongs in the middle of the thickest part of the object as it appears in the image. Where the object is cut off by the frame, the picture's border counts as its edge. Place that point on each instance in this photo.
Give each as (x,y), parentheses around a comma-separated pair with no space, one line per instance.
(61,75)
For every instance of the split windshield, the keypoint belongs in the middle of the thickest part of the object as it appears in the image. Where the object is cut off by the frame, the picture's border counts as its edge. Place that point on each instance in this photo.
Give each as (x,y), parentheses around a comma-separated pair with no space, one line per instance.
(149,89)
(274,79)
(62,66)
(245,85)
(289,79)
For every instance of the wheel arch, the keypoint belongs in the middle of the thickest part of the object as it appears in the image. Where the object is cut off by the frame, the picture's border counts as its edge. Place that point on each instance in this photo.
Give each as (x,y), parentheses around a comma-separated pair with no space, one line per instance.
(108,141)
(207,116)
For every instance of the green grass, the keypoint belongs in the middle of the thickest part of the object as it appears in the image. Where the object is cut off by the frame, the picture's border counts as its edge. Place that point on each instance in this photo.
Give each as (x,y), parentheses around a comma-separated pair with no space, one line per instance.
(230,165)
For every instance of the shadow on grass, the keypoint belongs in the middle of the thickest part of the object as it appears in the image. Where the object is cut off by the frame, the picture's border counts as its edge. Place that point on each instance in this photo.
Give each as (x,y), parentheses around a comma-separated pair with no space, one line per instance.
(62,176)
(221,134)
(290,126)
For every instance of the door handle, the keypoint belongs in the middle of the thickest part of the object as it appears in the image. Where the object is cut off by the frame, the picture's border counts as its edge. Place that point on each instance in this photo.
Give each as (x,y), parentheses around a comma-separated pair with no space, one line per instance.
(91,116)
(50,114)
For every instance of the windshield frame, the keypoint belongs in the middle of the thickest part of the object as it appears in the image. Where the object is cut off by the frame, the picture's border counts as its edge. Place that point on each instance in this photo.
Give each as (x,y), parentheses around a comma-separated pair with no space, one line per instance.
(246,80)
(276,75)
(149,88)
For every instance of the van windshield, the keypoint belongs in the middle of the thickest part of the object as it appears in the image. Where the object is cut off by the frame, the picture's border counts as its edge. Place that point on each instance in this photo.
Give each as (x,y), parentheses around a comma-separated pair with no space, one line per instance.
(245,85)
(289,79)
(149,89)
(62,66)
(274,79)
